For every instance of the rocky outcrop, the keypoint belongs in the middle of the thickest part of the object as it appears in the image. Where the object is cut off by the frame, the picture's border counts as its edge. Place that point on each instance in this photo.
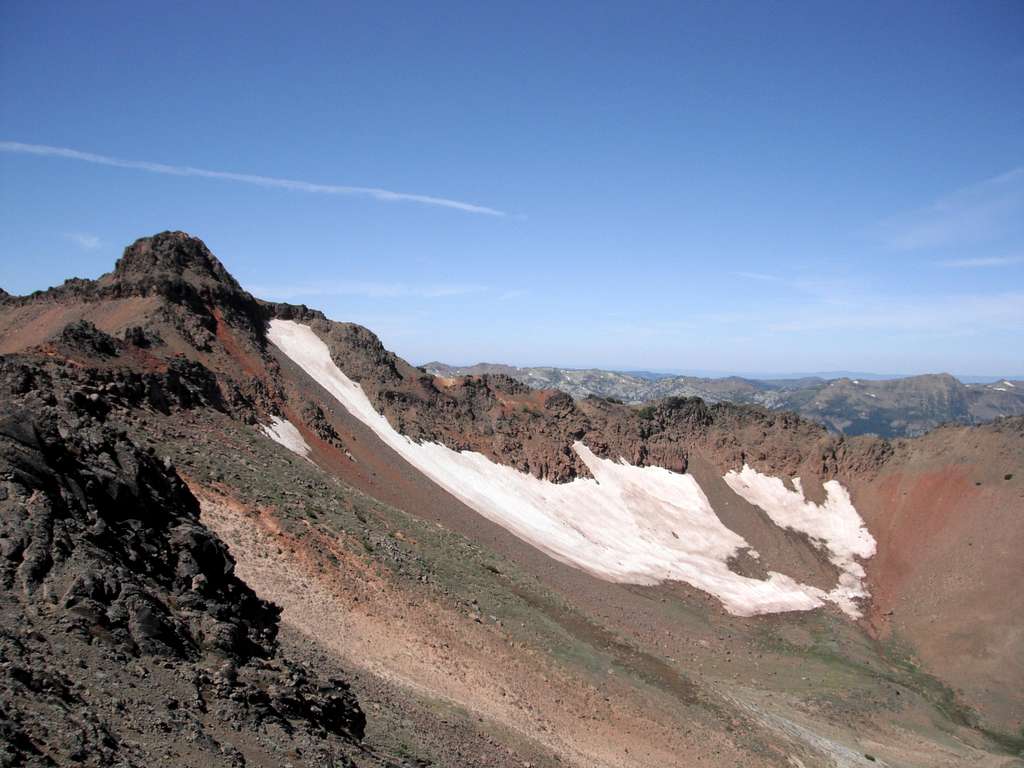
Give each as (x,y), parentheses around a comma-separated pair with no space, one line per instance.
(182,384)
(315,418)
(114,536)
(143,338)
(107,575)
(85,337)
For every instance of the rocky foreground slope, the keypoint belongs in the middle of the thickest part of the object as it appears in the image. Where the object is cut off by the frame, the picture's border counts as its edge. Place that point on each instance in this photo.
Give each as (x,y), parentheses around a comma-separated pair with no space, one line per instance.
(131,634)
(127,638)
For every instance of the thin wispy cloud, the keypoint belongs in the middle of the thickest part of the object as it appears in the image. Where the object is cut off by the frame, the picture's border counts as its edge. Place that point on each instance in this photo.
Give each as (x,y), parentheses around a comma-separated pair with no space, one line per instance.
(514,293)
(981,212)
(84,240)
(983,262)
(759,276)
(374,193)
(366,289)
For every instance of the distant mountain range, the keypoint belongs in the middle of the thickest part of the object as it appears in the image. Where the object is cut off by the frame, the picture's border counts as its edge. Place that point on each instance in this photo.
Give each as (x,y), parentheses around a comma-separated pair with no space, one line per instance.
(826,375)
(853,405)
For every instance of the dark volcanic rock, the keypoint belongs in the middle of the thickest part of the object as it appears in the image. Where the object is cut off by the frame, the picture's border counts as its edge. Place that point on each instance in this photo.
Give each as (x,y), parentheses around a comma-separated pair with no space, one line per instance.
(144,338)
(112,535)
(117,603)
(164,260)
(86,337)
(317,420)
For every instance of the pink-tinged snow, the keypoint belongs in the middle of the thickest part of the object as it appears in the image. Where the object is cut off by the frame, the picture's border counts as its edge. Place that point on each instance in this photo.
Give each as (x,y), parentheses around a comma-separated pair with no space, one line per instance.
(638,525)
(834,526)
(284,432)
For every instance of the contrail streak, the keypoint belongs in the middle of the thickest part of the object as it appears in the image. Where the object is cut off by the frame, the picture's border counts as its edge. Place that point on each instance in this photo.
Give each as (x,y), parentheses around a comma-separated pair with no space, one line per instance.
(244,178)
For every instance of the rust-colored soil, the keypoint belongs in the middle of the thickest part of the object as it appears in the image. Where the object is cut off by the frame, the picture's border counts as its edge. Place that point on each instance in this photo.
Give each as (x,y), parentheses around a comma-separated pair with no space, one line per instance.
(946,579)
(32,324)
(353,610)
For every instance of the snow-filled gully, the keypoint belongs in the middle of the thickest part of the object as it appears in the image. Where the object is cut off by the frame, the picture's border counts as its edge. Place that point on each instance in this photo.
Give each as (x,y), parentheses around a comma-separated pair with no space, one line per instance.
(637,525)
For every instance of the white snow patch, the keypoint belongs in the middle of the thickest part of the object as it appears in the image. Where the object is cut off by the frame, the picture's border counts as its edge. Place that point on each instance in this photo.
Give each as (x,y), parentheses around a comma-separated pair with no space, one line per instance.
(638,525)
(1000,389)
(834,526)
(284,432)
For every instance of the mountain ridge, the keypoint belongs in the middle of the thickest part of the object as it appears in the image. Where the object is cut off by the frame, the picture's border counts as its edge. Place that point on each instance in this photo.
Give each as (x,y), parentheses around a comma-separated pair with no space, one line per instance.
(903,407)
(380,569)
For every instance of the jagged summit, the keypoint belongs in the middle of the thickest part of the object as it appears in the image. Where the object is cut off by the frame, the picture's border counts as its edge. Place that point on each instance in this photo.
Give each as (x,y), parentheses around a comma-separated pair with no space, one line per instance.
(166,283)
(179,268)
(174,255)
(172,264)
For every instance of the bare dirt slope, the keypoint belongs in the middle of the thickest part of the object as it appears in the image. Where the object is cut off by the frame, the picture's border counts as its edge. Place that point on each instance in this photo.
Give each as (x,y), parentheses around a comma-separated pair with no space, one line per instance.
(948,512)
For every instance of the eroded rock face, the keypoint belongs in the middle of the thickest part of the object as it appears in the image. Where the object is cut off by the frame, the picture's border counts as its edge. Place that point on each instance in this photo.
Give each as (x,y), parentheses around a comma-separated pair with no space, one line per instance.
(113,537)
(182,270)
(86,337)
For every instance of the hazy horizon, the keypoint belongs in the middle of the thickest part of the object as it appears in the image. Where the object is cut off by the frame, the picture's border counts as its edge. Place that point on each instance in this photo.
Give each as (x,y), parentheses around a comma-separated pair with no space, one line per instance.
(966,378)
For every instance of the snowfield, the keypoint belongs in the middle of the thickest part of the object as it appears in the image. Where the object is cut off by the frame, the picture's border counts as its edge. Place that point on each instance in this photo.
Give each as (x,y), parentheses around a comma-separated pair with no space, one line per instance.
(834,526)
(637,525)
(284,432)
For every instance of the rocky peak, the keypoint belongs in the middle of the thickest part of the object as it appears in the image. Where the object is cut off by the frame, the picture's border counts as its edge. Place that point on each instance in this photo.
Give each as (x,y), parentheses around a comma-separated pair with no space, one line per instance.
(172,256)
(180,269)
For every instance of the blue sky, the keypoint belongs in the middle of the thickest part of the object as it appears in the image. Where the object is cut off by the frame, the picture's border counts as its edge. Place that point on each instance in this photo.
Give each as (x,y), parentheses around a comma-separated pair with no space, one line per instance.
(717,186)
